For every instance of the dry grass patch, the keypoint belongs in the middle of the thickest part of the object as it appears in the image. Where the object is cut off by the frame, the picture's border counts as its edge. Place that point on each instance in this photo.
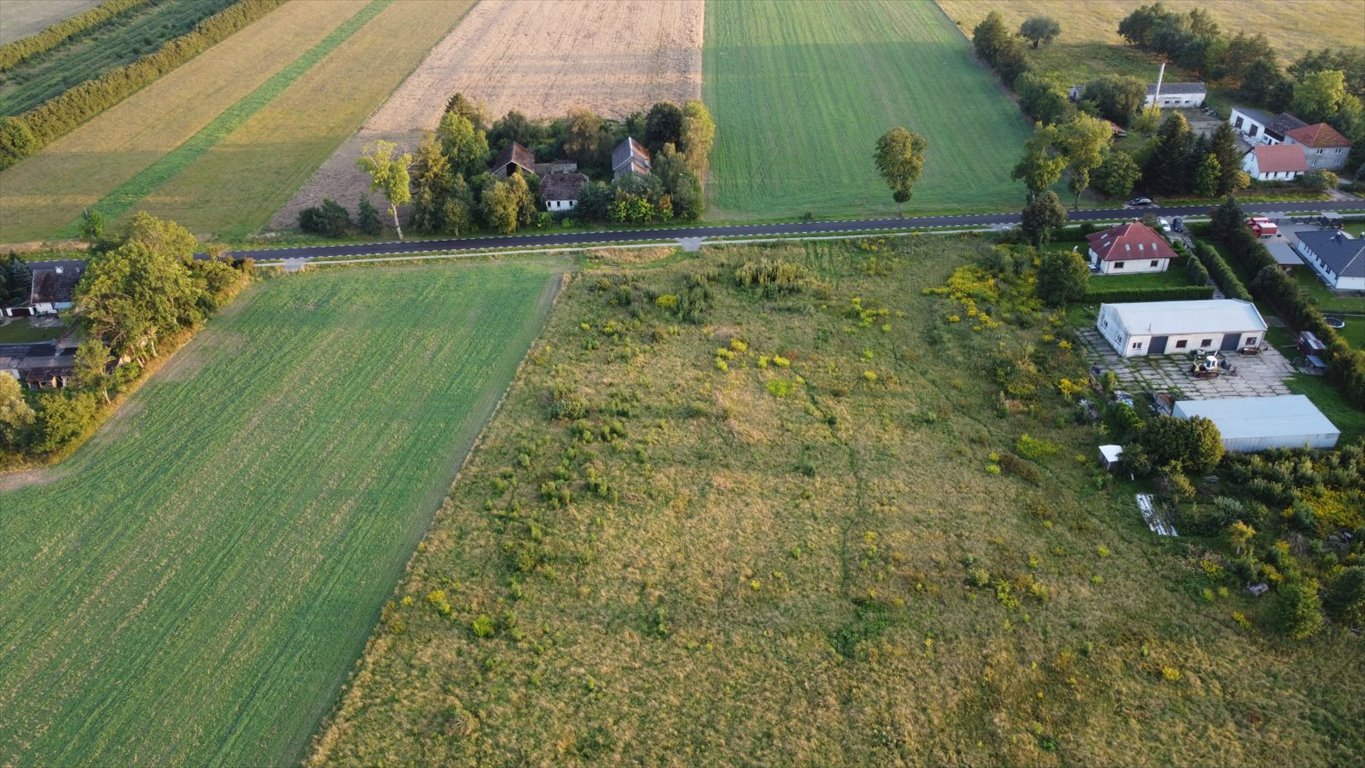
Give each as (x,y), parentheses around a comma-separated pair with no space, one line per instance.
(536,56)
(235,187)
(47,191)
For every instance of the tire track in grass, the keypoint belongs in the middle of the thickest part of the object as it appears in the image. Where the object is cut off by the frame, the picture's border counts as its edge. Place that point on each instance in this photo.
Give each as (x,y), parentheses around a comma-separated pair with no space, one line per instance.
(131,192)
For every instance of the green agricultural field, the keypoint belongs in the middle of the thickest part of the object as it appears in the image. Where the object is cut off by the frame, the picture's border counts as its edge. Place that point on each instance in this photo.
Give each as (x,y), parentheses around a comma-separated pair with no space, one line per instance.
(794,532)
(801,91)
(119,41)
(193,586)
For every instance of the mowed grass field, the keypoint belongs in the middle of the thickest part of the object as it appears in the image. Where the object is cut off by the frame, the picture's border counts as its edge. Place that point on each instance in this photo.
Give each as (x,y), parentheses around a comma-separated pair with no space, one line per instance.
(653,559)
(120,41)
(234,188)
(1090,45)
(193,586)
(801,91)
(46,192)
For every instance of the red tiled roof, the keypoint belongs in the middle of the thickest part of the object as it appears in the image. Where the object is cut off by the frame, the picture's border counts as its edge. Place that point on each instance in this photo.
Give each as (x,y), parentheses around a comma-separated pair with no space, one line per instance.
(1320,136)
(1280,158)
(1129,242)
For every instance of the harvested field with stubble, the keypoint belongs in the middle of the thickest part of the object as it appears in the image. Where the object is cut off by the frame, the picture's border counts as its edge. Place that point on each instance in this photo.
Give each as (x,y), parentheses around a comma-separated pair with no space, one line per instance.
(540,57)
(193,585)
(22,18)
(773,537)
(46,192)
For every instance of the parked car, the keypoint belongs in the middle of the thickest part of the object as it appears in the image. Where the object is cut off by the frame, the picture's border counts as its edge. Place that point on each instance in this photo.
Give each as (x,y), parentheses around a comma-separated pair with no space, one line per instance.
(1141,202)
(1178,224)
(1165,225)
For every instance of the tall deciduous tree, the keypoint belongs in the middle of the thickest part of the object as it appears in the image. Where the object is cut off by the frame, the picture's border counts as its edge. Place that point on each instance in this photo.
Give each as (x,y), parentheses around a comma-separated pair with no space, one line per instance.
(501,206)
(1042,165)
(900,159)
(16,415)
(991,36)
(388,175)
(1040,29)
(583,137)
(1042,98)
(698,134)
(1043,215)
(1118,174)
(663,125)
(1062,277)
(1318,96)
(471,110)
(92,366)
(135,293)
(464,144)
(1083,142)
(1118,97)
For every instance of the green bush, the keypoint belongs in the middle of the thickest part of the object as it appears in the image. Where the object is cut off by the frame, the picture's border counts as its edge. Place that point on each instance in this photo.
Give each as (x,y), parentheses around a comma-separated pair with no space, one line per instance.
(64,417)
(329,219)
(1170,293)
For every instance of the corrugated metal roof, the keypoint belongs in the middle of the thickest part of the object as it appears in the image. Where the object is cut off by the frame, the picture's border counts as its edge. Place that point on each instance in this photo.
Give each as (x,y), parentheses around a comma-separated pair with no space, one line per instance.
(1179,88)
(1254,418)
(1165,318)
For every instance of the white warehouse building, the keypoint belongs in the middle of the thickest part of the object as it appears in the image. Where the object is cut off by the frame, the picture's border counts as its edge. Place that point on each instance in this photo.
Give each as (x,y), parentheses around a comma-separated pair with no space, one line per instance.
(1260,423)
(1174,327)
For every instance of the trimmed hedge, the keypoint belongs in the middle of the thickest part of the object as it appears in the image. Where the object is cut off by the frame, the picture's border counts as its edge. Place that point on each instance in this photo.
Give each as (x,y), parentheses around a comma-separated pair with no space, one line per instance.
(28,47)
(59,115)
(1170,293)
(1220,271)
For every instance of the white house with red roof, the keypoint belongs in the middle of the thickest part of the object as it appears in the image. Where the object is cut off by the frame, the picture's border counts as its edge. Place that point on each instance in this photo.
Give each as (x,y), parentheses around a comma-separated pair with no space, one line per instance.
(1129,248)
(1276,162)
(1325,148)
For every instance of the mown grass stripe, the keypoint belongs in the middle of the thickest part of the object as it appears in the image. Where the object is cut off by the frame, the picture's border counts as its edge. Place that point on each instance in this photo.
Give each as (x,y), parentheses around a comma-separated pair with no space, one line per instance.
(127,195)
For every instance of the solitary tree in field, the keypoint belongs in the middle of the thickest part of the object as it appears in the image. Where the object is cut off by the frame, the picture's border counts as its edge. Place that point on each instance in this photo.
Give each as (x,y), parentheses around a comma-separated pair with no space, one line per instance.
(1040,29)
(900,159)
(388,175)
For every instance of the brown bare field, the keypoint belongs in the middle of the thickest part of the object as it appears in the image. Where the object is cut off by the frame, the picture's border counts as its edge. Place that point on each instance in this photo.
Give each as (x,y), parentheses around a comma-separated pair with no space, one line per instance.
(1290,27)
(536,56)
(21,18)
(235,187)
(47,191)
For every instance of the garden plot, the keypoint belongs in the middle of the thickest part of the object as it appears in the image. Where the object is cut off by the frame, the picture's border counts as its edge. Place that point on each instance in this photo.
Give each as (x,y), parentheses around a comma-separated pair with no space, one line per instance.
(539,57)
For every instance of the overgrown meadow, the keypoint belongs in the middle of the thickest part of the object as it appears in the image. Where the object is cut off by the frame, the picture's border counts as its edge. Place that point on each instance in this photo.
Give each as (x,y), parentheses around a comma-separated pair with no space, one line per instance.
(819,504)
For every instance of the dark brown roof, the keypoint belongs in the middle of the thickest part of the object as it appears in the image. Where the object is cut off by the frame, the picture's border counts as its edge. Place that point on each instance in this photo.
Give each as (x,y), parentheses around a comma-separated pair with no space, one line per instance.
(55,281)
(1129,242)
(1284,123)
(561,186)
(518,155)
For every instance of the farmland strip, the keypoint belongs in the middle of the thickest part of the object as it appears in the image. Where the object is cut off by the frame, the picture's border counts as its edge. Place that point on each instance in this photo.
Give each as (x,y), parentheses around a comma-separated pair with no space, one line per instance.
(127,195)
(55,35)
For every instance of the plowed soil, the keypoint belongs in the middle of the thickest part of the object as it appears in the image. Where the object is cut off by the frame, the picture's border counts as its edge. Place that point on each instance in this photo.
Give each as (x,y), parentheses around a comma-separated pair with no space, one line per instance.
(536,56)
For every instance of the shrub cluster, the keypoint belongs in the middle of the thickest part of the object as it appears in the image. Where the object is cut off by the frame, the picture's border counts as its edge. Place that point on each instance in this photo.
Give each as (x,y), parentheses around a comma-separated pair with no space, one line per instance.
(1170,293)
(34,129)
(1222,273)
(28,47)
(772,278)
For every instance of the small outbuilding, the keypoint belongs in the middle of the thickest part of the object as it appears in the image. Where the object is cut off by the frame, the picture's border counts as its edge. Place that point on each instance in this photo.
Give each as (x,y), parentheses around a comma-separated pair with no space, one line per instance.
(630,156)
(1338,258)
(1250,424)
(1175,95)
(1180,327)
(1128,249)
(560,191)
(514,158)
(1284,254)
(1110,456)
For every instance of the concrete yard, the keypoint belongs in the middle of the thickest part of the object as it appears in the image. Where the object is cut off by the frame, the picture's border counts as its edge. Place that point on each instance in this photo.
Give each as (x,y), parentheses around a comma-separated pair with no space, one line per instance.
(1260,375)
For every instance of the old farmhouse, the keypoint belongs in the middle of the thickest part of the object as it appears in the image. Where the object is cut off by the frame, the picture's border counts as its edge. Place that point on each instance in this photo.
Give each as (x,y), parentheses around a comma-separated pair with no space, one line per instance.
(514,158)
(1270,162)
(52,288)
(1128,249)
(630,156)
(1324,146)
(1338,258)
(559,191)
(1171,327)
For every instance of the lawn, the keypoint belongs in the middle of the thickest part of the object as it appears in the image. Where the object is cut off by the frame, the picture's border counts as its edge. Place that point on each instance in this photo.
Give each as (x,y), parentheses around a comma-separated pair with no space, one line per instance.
(801,91)
(234,188)
(193,585)
(121,40)
(19,330)
(1324,394)
(45,192)
(773,537)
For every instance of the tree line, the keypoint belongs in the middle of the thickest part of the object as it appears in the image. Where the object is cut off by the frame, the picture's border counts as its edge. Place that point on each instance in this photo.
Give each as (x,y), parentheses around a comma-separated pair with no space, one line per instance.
(22,135)
(139,291)
(448,183)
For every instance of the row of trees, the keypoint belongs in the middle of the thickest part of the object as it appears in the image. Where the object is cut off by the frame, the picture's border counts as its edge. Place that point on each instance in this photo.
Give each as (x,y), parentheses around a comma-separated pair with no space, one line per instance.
(137,291)
(451,191)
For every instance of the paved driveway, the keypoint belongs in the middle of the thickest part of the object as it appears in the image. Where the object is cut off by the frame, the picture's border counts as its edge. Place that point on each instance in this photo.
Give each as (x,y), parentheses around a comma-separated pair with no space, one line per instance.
(1260,375)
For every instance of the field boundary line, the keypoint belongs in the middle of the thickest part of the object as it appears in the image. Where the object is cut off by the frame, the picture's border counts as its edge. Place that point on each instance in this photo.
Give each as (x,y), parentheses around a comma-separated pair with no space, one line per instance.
(128,194)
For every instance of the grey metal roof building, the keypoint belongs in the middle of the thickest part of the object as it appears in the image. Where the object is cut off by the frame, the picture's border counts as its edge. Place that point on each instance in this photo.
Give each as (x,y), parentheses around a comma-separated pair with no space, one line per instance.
(1260,423)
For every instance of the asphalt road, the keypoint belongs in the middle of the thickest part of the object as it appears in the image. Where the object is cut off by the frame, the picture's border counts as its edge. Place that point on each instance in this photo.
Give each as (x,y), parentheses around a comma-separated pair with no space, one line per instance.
(871,226)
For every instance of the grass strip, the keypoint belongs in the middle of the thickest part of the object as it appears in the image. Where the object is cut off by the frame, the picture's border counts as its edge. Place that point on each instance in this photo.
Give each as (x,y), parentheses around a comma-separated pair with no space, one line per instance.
(128,194)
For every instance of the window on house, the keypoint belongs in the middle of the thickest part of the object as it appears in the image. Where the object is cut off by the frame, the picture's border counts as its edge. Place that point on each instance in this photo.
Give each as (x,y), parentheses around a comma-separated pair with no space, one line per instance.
(1153,264)
(1251,341)
(1206,342)
(1118,265)
(1181,344)
(1137,345)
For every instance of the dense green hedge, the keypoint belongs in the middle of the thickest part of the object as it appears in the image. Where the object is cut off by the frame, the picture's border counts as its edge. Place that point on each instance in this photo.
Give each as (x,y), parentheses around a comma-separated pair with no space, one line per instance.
(1346,366)
(19,50)
(1169,293)
(1216,267)
(58,116)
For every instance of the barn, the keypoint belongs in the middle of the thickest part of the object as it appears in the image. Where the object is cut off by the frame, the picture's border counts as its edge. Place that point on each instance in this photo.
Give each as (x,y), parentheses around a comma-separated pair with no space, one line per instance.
(1250,424)
(1178,327)
(514,158)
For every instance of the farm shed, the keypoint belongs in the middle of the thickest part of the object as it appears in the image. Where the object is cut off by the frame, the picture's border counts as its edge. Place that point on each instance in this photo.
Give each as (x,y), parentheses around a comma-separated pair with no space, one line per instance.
(560,190)
(1175,95)
(630,156)
(1283,253)
(512,159)
(1128,249)
(1250,424)
(1338,258)
(1170,327)
(1110,456)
